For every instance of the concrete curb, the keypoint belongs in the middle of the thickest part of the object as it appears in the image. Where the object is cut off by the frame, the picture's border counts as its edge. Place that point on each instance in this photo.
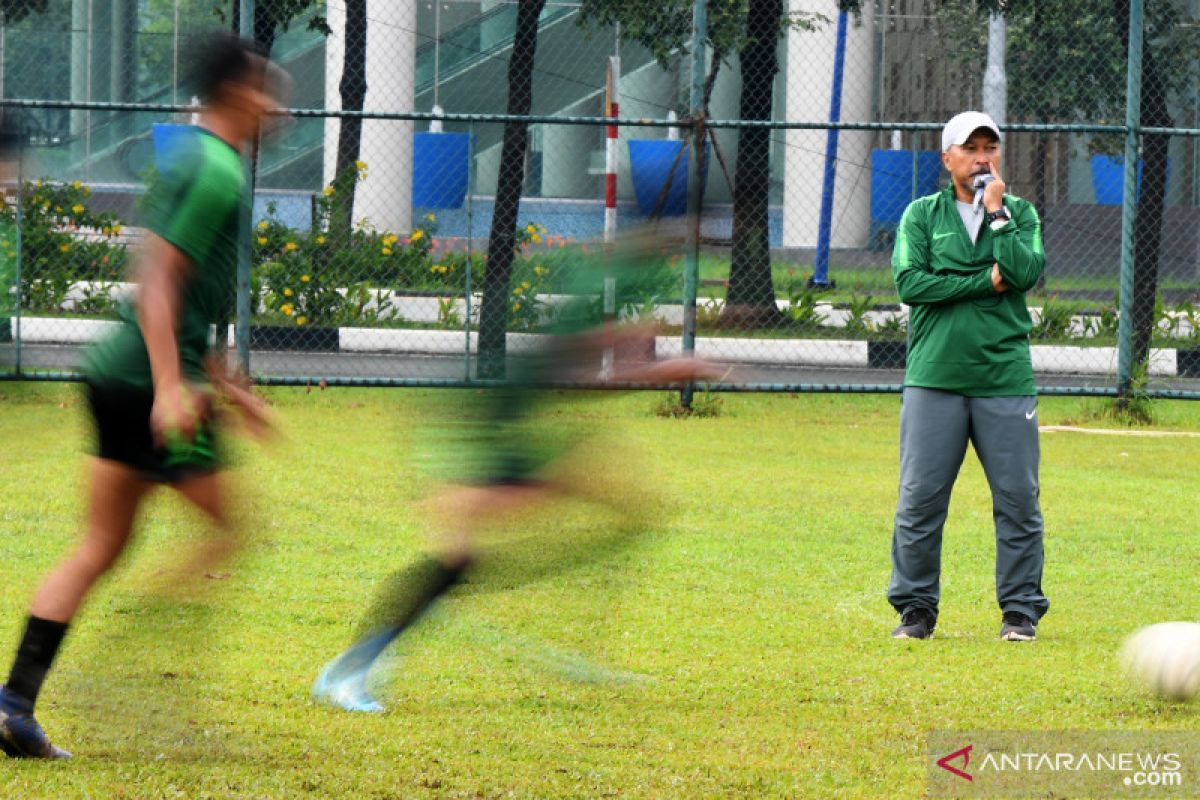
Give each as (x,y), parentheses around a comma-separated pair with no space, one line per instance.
(1047,359)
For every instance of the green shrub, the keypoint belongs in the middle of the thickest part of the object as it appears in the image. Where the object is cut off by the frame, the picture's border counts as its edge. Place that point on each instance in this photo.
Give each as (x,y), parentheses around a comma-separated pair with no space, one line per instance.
(62,242)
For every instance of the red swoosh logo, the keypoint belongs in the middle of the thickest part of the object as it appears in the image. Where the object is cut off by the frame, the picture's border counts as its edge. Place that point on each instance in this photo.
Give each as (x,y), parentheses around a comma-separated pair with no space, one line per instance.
(965,754)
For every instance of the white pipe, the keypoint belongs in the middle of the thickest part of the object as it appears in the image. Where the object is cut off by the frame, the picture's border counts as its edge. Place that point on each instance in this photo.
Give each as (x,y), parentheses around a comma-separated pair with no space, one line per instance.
(995,82)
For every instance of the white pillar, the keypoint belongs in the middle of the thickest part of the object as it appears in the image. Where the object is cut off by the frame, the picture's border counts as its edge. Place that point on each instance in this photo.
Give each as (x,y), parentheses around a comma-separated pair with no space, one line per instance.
(995,81)
(809,84)
(385,198)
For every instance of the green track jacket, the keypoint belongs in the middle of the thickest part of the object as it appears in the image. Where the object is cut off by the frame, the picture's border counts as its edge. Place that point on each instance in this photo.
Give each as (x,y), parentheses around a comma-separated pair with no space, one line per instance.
(963,337)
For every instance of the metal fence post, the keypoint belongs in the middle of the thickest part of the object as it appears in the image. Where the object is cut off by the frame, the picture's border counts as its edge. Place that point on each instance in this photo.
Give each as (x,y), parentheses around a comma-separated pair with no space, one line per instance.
(691,275)
(17,277)
(242,326)
(1133,110)
(470,260)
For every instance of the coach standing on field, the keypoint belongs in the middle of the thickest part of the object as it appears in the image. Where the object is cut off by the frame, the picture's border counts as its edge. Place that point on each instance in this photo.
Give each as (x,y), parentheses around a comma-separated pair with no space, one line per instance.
(964,259)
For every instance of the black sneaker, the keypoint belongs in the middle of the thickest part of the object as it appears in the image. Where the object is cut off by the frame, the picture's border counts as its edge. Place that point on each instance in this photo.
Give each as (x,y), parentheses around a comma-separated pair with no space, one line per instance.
(1017,627)
(915,623)
(20,734)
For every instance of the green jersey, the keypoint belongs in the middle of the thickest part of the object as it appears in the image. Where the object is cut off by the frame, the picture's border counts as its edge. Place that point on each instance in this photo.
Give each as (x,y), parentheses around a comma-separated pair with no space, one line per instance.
(963,336)
(195,206)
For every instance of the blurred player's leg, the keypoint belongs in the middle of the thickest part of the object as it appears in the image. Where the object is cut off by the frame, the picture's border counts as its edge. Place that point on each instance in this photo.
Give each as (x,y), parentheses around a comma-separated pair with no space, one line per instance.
(404,597)
(115,494)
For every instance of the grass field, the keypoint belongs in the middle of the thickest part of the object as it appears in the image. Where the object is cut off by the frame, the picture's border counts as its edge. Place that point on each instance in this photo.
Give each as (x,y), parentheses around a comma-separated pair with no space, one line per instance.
(737,647)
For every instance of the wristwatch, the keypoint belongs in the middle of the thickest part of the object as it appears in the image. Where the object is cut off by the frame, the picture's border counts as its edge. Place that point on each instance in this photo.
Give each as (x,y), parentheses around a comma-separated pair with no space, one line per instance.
(1000,216)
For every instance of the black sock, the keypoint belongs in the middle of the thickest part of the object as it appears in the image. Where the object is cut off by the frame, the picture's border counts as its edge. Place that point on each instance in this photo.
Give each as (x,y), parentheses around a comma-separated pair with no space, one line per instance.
(36,653)
(405,596)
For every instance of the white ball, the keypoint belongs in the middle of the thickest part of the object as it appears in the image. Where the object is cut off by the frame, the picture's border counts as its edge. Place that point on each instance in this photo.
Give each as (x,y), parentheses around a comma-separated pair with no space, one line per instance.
(1165,659)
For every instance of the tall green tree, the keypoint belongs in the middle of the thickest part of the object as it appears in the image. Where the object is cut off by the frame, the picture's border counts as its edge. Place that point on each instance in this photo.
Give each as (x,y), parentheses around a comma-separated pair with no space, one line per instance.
(502,242)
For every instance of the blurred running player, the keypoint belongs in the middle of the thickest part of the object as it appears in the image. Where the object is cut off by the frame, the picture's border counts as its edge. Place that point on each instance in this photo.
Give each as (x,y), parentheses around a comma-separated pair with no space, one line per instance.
(151,385)
(504,460)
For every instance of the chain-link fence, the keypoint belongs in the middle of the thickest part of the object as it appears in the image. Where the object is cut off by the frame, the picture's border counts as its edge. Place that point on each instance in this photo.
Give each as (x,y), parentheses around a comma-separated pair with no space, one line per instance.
(446,166)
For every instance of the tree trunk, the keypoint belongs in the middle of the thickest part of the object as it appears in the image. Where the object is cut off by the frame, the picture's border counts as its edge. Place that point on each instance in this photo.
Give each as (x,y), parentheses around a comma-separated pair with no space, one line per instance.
(1148,224)
(353,88)
(750,300)
(493,312)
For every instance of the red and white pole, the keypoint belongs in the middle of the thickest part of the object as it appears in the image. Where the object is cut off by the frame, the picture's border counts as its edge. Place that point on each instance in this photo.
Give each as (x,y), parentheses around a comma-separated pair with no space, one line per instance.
(612,107)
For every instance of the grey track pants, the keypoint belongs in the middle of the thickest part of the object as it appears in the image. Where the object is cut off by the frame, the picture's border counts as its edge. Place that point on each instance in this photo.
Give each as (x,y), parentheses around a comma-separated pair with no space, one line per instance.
(935,427)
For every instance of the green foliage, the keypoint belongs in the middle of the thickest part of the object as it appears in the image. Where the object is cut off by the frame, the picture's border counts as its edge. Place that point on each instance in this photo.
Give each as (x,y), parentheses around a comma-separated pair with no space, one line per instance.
(802,306)
(1067,61)
(62,242)
(706,404)
(666,28)
(1187,322)
(16,10)
(708,312)
(1136,408)
(857,324)
(448,316)
(1054,321)
(893,328)
(530,277)
(315,278)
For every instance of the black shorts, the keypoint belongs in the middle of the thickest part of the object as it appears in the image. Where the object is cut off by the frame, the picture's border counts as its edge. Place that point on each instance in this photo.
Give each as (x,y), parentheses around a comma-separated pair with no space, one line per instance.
(122,418)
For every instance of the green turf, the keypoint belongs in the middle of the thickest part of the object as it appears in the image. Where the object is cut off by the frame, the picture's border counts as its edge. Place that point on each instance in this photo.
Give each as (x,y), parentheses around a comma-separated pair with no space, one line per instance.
(737,647)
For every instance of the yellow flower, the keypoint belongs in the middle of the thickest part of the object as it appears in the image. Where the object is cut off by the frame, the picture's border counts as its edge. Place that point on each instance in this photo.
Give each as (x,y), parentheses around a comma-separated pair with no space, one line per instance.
(87,191)
(64,248)
(290,246)
(78,208)
(58,209)
(320,240)
(539,271)
(287,308)
(530,228)
(328,191)
(525,284)
(74,185)
(516,306)
(262,240)
(431,216)
(116,229)
(305,279)
(361,165)
(387,251)
(301,320)
(536,239)
(287,292)
(262,226)
(519,291)
(418,234)
(389,239)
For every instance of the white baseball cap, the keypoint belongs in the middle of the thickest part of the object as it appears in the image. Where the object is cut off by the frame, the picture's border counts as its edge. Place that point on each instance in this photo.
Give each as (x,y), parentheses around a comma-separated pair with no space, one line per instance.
(961,126)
